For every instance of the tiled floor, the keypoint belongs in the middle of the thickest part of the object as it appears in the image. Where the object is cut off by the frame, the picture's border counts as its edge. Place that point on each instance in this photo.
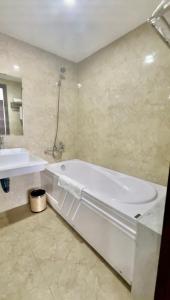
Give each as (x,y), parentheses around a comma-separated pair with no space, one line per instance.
(42,258)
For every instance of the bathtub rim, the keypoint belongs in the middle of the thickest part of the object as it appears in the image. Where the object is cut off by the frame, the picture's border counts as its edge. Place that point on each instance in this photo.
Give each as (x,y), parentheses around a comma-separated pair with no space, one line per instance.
(128,210)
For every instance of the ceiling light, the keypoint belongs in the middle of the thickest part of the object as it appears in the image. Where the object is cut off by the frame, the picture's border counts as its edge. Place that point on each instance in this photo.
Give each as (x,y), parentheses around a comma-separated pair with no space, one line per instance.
(16,67)
(79,85)
(149,59)
(70,2)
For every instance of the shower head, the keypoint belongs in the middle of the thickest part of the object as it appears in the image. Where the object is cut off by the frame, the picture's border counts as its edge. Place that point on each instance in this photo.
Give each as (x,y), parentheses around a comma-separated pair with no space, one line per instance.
(61,74)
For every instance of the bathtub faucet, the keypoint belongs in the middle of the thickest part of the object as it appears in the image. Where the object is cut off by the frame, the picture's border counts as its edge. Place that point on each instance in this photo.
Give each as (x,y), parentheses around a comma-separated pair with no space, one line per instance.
(61,147)
(57,149)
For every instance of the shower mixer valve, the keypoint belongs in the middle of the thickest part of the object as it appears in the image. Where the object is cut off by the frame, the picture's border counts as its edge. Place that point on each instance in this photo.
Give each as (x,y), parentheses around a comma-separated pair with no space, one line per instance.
(59,148)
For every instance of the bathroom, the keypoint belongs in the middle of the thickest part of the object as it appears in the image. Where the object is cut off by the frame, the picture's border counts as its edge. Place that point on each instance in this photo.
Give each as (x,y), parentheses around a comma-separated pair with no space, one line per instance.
(92,103)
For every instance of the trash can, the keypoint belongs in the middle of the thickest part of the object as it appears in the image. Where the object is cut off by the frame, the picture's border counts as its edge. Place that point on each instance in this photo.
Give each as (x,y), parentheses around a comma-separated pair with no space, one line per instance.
(38,201)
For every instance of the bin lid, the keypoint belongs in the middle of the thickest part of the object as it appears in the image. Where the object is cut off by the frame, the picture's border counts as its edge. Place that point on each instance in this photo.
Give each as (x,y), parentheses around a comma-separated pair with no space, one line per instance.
(37,193)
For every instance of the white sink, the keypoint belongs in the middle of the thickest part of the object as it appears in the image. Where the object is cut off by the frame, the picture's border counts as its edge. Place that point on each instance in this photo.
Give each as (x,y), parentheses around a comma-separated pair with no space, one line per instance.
(19,161)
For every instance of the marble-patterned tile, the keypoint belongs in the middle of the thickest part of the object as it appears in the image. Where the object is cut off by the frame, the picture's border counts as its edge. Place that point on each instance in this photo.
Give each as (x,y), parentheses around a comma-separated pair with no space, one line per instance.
(42,257)
(3,220)
(20,271)
(110,284)
(77,281)
(125,101)
(34,294)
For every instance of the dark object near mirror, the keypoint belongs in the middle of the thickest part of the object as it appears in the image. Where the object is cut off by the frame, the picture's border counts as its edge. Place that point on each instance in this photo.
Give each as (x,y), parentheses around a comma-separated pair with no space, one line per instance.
(5,184)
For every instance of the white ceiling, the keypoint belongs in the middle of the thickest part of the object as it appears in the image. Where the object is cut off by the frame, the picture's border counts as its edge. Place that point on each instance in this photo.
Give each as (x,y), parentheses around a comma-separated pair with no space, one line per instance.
(73,32)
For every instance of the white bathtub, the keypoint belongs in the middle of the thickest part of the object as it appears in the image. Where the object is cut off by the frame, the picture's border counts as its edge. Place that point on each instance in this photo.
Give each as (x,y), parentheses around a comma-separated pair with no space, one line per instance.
(107,213)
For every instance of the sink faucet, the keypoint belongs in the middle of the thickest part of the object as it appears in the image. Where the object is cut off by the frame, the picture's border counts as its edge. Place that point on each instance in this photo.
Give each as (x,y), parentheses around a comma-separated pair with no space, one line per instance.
(1,142)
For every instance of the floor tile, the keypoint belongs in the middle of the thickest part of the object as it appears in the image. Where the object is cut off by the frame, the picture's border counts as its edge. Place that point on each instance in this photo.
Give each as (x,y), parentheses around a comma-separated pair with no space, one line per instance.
(42,257)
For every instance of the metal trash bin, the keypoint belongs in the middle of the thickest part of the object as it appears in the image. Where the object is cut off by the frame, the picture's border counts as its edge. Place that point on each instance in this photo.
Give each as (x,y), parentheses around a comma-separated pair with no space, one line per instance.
(38,200)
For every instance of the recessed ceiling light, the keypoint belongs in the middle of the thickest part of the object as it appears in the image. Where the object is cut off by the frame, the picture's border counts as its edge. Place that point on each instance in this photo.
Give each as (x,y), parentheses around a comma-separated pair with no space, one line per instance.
(70,2)
(79,85)
(150,58)
(16,67)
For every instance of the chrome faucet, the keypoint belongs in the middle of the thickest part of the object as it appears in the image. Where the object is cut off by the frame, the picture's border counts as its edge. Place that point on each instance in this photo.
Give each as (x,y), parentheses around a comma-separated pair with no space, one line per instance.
(1,141)
(57,149)
(61,147)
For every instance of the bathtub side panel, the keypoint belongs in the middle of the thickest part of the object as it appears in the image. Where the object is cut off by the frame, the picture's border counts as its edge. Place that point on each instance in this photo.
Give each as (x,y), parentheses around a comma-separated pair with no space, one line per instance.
(49,182)
(115,245)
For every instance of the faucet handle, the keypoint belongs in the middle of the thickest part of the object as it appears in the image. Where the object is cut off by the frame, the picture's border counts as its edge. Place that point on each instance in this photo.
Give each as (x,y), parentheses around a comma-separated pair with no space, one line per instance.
(61,146)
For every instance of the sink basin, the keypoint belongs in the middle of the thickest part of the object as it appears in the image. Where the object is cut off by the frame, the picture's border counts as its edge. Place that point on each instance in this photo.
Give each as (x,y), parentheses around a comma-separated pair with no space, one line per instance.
(18,161)
(15,155)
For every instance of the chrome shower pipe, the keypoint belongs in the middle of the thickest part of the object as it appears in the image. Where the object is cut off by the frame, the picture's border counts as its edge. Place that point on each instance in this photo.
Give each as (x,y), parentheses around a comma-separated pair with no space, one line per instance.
(159,21)
(162,7)
(58,146)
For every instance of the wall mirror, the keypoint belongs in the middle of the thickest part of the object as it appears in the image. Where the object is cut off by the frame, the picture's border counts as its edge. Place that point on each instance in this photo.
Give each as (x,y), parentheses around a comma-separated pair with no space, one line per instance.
(11,108)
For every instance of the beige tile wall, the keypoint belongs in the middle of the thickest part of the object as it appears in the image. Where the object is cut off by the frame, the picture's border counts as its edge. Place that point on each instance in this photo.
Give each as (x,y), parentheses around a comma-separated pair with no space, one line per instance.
(39,73)
(124,106)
